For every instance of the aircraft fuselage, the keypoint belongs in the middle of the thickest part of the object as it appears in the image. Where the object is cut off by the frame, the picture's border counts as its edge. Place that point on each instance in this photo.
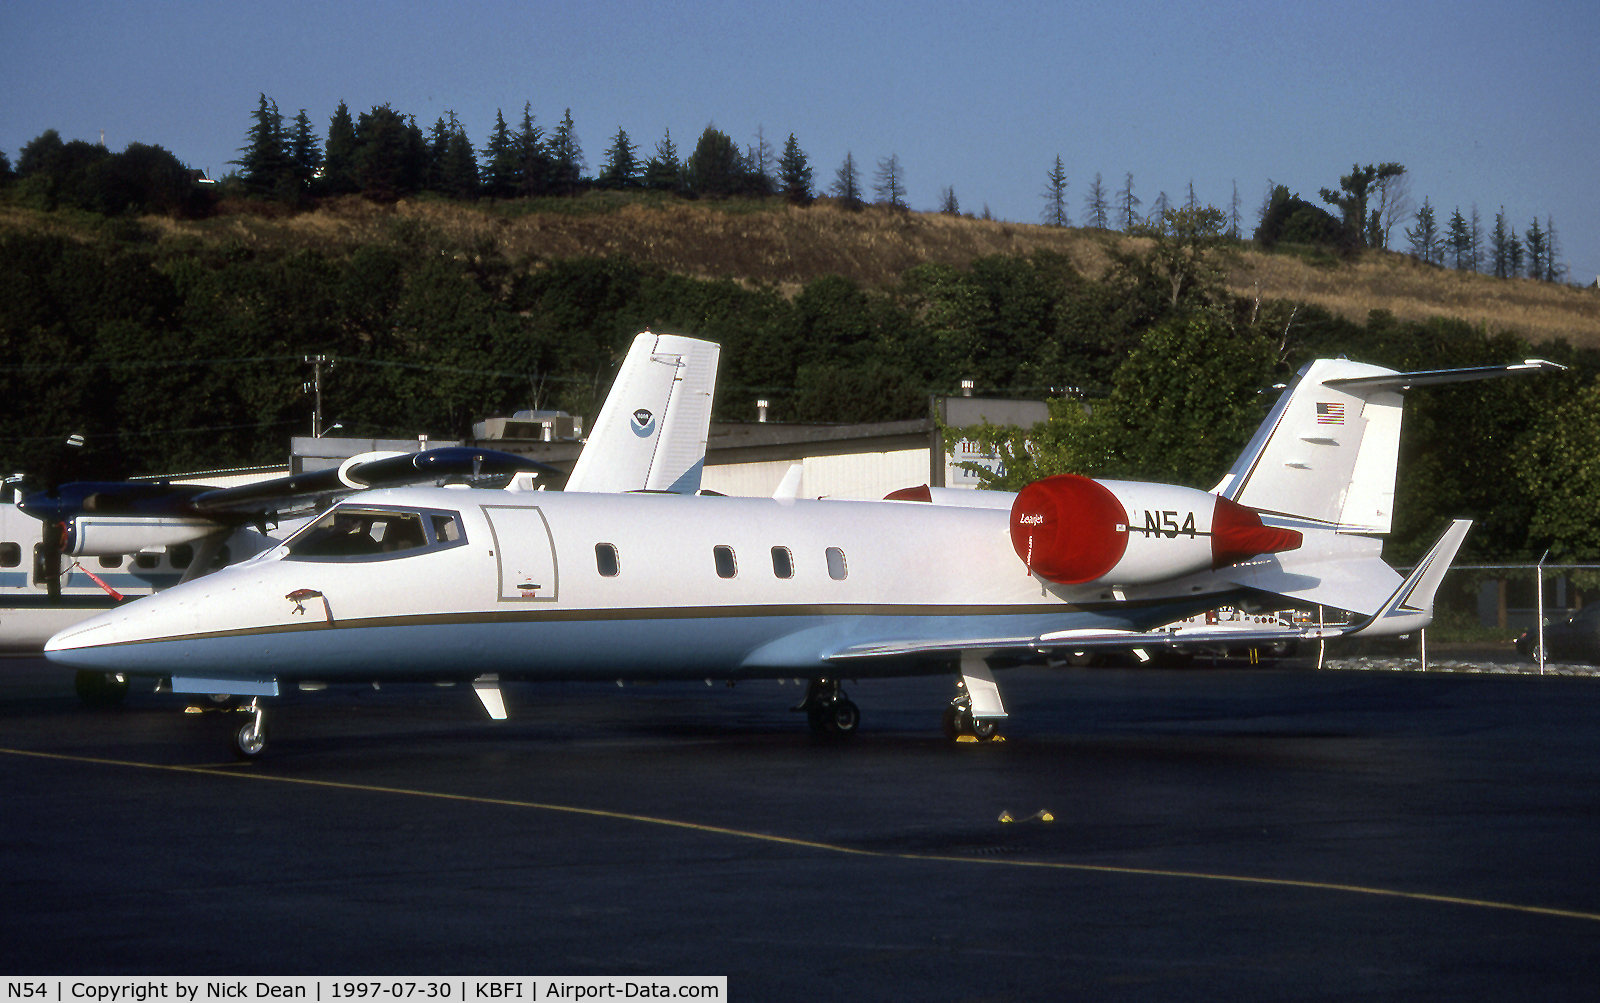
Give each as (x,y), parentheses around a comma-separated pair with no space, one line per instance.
(540,585)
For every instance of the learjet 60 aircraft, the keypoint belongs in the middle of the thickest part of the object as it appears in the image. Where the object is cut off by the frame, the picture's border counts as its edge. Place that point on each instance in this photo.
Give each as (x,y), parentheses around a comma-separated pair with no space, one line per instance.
(420,584)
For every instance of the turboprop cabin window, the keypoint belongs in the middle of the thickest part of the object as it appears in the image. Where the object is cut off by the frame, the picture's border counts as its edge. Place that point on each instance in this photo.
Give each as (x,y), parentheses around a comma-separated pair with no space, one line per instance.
(837,569)
(726,566)
(605,560)
(348,533)
(10,555)
(782,562)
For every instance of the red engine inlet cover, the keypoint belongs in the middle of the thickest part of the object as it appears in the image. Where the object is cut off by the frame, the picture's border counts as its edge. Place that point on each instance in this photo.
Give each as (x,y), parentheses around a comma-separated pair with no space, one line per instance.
(1069,529)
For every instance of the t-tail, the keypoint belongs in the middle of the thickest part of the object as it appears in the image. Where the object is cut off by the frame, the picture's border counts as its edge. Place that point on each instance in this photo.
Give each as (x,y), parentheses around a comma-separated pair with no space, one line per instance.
(1325,457)
(651,434)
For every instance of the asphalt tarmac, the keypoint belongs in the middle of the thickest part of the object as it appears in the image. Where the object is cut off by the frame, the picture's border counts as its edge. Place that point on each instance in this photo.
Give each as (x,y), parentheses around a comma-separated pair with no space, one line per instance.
(1232,833)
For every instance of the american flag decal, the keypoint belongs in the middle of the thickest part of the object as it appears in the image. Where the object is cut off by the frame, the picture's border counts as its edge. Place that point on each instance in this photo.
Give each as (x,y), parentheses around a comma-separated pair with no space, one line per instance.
(1330,414)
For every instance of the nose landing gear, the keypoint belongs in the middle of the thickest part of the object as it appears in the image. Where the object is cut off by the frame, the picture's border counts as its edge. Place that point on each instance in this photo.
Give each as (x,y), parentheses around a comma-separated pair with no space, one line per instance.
(249,739)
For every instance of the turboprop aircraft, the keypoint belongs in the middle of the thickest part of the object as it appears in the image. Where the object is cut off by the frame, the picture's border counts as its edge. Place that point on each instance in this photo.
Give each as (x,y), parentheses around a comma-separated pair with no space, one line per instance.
(650,435)
(419,584)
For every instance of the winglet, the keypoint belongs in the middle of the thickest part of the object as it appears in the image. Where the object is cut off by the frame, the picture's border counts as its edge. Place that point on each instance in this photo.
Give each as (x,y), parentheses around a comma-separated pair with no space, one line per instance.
(1411,606)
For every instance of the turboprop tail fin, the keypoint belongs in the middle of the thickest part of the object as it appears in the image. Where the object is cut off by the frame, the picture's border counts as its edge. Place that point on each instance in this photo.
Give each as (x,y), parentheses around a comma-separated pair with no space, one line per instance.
(1325,457)
(651,434)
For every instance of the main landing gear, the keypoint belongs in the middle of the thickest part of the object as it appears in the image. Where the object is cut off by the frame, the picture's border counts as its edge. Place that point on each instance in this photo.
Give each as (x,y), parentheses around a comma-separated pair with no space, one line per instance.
(249,739)
(958,720)
(830,713)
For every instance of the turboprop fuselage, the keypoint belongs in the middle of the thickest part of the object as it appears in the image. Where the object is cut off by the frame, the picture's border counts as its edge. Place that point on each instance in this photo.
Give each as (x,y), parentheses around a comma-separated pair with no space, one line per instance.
(547,586)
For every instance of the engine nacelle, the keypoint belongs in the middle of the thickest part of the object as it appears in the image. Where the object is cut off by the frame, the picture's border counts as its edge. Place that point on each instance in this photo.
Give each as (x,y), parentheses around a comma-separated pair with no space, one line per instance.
(1073,530)
(110,536)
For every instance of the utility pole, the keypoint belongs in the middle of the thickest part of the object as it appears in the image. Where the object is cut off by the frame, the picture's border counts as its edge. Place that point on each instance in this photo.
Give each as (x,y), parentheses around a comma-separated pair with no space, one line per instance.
(315,388)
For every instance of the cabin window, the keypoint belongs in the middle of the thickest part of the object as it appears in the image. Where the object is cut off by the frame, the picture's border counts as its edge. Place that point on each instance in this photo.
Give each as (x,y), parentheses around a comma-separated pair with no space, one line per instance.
(837,570)
(782,562)
(146,561)
(181,556)
(446,528)
(726,566)
(605,560)
(350,533)
(10,555)
(114,561)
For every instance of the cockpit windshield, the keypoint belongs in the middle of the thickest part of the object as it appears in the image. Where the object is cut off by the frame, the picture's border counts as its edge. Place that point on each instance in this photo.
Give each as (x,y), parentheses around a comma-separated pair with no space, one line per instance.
(348,532)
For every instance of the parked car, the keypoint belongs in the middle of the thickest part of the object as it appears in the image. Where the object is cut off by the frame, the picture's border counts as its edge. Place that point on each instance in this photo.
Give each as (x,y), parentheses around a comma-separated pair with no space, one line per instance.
(1575,639)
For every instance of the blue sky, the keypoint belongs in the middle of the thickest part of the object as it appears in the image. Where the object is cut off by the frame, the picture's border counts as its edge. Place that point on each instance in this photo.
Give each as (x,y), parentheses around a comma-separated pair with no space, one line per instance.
(1493,104)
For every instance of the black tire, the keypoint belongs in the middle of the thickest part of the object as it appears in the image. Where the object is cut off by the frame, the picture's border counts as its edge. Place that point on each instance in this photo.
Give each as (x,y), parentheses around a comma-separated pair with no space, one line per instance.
(844,717)
(984,731)
(248,741)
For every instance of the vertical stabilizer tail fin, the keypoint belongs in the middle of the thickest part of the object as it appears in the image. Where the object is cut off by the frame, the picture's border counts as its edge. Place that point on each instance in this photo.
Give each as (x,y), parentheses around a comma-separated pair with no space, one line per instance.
(1411,606)
(652,431)
(1326,455)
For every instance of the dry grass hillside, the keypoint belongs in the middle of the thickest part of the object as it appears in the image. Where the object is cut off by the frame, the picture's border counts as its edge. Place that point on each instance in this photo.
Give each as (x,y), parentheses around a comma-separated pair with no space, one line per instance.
(787,247)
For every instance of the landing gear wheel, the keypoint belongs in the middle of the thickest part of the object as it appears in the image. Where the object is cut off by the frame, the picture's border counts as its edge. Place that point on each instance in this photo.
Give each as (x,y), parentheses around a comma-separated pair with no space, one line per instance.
(843,717)
(984,731)
(249,740)
(100,689)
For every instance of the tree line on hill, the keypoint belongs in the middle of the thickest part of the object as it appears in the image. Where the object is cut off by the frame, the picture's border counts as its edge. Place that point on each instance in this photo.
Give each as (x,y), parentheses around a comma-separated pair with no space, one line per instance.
(384,154)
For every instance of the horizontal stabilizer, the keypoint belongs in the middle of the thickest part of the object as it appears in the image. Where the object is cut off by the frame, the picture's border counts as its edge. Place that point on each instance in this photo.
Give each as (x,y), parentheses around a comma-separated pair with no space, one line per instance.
(1411,606)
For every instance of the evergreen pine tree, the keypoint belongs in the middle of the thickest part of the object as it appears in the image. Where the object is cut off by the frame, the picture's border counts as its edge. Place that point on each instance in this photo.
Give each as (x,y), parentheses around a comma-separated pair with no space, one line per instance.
(458,167)
(304,156)
(847,183)
(715,168)
(794,173)
(1534,239)
(947,201)
(1097,211)
(621,167)
(760,163)
(664,172)
(889,183)
(566,156)
(1500,247)
(1459,240)
(501,169)
(1158,213)
(264,162)
(1235,220)
(1425,236)
(1554,270)
(1055,196)
(532,157)
(1128,205)
(339,160)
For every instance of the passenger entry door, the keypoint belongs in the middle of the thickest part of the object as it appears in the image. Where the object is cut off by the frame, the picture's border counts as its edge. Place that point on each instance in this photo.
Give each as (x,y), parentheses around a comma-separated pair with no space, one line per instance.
(524,553)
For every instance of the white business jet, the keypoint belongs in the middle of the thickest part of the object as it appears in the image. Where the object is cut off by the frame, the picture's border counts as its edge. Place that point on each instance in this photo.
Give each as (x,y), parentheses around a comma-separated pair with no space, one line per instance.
(424,584)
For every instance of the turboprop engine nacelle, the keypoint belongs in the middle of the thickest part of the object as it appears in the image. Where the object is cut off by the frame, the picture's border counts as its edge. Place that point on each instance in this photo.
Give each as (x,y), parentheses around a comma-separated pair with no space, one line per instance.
(1073,530)
(109,536)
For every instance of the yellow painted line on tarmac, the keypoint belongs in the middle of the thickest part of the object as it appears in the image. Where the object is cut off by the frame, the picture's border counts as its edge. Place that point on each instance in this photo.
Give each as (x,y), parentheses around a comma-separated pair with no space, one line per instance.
(1241,879)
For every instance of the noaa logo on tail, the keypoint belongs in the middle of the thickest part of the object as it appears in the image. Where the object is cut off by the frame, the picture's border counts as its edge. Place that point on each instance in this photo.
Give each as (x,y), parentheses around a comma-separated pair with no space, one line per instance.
(643,424)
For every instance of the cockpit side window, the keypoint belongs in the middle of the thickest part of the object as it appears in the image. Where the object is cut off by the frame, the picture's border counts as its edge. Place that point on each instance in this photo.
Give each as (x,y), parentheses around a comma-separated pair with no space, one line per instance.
(346,533)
